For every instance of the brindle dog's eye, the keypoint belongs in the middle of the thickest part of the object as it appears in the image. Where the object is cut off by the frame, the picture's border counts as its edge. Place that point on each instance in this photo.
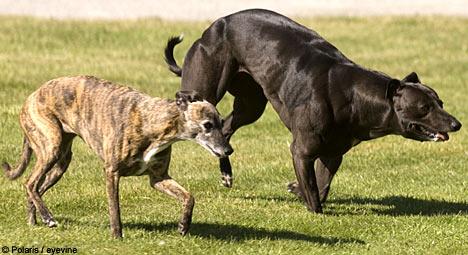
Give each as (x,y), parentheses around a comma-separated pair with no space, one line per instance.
(208,125)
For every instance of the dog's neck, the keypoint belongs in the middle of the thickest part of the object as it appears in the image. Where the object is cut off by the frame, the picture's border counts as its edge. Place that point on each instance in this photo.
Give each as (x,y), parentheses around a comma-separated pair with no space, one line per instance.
(163,126)
(388,125)
(373,111)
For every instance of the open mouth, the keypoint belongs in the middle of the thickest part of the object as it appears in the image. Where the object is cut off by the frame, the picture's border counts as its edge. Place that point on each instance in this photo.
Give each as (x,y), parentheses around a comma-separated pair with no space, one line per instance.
(425,133)
(217,154)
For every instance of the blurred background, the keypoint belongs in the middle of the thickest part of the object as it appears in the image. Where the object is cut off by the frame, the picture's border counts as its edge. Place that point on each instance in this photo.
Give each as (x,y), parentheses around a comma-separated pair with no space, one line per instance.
(212,9)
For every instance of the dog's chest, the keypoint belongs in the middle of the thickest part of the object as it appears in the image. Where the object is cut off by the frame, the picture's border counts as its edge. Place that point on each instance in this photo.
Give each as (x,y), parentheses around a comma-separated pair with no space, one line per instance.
(154,164)
(154,159)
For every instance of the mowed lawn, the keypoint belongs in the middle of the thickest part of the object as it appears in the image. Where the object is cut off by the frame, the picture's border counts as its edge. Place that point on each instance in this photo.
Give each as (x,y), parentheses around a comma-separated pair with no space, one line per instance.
(391,195)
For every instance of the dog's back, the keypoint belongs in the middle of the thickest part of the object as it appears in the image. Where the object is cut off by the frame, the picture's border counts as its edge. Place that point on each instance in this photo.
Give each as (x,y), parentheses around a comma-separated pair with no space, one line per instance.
(90,107)
(86,97)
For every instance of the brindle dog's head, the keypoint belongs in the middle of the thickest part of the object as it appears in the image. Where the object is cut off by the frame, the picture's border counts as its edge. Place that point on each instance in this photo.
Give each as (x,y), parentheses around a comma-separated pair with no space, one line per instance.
(420,111)
(202,123)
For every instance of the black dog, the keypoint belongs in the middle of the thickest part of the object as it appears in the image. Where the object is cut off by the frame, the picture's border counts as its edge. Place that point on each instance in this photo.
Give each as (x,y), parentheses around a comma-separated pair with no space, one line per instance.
(328,102)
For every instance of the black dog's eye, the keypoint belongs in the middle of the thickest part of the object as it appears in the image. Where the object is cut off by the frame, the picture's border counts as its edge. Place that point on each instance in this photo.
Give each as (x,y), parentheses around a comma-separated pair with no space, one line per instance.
(208,125)
(425,108)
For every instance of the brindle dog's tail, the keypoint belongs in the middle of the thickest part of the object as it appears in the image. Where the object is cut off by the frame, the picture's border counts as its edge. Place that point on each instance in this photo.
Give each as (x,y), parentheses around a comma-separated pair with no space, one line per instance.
(169,54)
(13,174)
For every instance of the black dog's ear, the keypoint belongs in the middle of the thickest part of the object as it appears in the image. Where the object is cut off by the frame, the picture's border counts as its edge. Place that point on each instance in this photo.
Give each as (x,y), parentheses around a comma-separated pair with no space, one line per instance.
(392,87)
(412,77)
(183,98)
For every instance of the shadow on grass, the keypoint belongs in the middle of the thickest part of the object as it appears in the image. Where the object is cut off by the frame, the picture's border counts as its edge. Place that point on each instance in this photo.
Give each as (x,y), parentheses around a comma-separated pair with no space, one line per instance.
(232,232)
(288,197)
(393,205)
(401,205)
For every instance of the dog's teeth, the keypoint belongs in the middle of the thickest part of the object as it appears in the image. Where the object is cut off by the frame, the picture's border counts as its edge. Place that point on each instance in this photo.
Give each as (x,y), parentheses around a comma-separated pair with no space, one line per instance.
(440,137)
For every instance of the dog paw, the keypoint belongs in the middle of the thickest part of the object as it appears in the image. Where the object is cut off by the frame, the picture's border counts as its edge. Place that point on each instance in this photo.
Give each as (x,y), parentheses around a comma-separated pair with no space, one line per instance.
(227,181)
(184,223)
(293,187)
(51,223)
(183,228)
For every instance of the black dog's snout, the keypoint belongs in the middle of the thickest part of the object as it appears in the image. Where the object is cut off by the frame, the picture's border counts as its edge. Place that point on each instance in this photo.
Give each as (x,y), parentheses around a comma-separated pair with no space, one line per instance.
(455,125)
(228,150)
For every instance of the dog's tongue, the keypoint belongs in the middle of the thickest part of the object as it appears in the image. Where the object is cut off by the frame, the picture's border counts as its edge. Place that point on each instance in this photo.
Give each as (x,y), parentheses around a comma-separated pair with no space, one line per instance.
(441,137)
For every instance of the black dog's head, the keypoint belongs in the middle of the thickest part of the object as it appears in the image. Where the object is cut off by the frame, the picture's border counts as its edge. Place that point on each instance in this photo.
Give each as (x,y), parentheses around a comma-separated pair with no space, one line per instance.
(420,111)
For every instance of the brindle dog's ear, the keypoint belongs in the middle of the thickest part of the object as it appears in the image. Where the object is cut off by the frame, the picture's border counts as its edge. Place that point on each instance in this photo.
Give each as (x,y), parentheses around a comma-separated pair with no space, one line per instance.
(392,87)
(412,77)
(183,98)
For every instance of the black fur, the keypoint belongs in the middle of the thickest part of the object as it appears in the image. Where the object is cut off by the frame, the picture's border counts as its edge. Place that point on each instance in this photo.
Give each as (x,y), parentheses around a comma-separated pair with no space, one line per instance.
(327,101)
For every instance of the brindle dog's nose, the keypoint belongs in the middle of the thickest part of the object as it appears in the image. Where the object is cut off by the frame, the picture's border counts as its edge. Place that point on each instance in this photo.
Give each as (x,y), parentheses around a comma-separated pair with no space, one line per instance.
(455,125)
(228,150)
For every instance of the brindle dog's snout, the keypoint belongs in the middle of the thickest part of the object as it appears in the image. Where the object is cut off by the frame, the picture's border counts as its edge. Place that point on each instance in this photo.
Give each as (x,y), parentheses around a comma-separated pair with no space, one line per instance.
(228,150)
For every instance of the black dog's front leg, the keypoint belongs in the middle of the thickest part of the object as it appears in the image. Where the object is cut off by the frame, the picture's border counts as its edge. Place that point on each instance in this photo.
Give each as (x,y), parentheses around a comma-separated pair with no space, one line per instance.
(325,170)
(226,172)
(303,157)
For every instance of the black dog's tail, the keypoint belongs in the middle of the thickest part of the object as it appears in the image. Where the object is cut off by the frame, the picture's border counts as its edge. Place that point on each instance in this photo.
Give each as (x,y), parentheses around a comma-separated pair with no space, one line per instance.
(169,54)
(13,174)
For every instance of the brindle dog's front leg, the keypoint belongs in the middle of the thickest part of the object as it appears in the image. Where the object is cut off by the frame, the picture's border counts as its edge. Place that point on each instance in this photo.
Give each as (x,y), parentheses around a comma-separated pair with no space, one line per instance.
(304,151)
(112,187)
(160,180)
(172,188)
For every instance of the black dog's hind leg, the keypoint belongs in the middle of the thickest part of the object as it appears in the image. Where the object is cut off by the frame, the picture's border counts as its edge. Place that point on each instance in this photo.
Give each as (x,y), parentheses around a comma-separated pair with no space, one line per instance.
(326,169)
(221,75)
(249,104)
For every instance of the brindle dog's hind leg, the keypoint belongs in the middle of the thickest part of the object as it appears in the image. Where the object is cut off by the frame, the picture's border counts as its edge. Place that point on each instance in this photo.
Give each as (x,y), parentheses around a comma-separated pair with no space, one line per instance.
(160,180)
(47,150)
(249,105)
(54,175)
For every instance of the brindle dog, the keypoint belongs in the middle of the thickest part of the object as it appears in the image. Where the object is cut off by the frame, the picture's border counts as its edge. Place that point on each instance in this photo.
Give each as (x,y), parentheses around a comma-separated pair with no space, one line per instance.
(130,131)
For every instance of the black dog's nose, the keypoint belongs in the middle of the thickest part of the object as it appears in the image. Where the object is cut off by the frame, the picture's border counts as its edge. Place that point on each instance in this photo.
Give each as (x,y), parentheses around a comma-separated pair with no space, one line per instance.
(455,125)
(228,150)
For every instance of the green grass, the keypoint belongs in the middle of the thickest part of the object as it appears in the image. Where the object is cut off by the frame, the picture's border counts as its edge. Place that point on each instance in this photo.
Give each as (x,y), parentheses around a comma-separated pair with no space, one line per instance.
(391,196)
